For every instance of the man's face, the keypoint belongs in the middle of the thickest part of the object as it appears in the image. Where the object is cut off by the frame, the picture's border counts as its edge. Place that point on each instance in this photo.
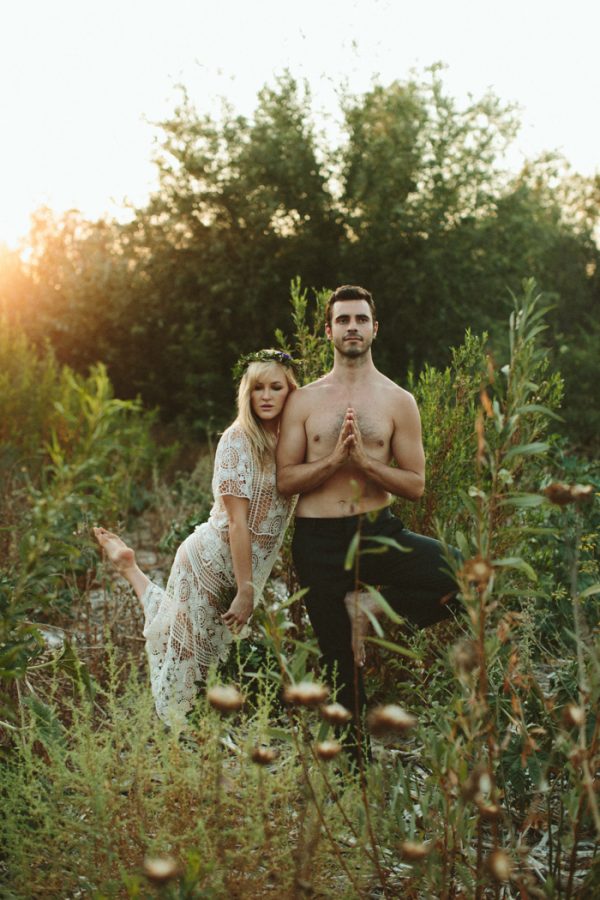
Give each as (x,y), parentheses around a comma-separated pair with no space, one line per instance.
(352,328)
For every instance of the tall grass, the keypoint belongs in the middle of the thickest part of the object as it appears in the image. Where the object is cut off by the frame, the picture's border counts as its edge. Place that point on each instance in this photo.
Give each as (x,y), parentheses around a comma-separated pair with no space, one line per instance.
(483,784)
(72,454)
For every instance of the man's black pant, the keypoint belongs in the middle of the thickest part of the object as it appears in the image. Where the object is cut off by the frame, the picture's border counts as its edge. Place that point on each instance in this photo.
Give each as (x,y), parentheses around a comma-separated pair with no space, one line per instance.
(416,584)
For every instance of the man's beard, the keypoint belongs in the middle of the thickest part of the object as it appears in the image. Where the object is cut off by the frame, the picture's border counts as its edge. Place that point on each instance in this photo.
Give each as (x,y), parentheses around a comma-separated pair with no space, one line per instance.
(354,350)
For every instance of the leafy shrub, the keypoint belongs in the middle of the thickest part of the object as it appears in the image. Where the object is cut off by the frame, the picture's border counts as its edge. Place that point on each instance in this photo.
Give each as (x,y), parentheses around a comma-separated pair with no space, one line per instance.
(81,457)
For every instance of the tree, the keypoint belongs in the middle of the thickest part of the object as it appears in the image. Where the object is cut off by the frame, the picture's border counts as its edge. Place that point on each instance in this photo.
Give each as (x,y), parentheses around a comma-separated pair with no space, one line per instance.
(415,204)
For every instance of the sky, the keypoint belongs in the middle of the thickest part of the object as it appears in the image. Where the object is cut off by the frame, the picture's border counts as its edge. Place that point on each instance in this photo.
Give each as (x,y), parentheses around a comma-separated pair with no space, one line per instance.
(82,83)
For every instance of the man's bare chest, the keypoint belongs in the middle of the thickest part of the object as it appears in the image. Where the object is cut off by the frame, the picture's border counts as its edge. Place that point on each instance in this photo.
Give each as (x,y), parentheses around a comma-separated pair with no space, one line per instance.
(323,426)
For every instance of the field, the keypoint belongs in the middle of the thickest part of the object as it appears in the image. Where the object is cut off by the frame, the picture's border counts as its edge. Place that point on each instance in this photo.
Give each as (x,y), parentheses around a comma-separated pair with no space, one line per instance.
(485,730)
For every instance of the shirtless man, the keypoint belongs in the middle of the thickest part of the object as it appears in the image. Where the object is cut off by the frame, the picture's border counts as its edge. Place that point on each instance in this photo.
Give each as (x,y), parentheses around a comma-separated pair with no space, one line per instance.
(339,438)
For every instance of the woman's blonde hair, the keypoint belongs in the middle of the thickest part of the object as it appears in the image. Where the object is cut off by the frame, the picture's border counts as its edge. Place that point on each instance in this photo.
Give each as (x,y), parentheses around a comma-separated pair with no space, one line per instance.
(261,441)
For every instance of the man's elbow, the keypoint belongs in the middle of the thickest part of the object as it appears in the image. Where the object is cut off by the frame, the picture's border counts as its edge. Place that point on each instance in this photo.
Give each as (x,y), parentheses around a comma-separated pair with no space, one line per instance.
(417,488)
(284,485)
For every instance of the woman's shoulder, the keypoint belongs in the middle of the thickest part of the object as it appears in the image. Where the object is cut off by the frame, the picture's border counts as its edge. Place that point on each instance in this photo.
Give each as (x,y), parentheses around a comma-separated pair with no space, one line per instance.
(235,434)
(234,438)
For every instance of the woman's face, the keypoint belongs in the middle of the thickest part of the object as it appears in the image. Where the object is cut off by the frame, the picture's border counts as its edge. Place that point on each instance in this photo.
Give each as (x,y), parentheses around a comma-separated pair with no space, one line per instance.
(269,393)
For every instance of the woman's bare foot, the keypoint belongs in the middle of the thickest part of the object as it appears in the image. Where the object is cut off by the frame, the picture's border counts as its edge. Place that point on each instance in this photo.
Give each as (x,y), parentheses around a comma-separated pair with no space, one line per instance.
(117,552)
(123,559)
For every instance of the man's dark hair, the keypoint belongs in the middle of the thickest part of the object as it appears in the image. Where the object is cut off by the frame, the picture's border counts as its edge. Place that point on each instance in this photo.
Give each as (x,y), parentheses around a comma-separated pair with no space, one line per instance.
(348,292)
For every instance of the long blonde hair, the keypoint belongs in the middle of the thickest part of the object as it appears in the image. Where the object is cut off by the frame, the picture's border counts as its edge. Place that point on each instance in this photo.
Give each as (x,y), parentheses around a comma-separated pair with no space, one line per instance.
(261,441)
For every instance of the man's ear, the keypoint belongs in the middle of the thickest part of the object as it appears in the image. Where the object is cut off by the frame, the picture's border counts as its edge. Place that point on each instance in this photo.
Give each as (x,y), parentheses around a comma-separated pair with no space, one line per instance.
(375,328)
(328,332)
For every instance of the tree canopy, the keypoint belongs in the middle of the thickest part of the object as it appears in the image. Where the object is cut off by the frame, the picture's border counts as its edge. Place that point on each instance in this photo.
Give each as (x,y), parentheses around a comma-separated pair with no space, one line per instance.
(414,203)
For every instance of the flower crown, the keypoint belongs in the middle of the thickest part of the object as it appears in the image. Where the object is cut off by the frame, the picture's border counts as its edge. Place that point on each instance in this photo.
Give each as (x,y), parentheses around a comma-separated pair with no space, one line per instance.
(277,356)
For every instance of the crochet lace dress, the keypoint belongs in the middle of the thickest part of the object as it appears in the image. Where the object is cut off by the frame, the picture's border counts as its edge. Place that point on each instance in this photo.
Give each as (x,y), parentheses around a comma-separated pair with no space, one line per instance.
(183,628)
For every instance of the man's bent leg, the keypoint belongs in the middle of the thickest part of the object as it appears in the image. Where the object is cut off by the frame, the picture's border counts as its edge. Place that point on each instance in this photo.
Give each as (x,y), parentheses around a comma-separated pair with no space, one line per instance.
(417,583)
(319,550)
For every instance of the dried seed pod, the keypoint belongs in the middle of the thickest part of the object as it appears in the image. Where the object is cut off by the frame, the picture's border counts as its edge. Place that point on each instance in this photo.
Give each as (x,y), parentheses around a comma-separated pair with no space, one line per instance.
(336,714)
(500,865)
(489,811)
(328,749)
(263,756)
(477,783)
(465,656)
(478,571)
(414,851)
(574,715)
(582,491)
(225,698)
(577,756)
(561,493)
(306,693)
(160,869)
(388,718)
(558,493)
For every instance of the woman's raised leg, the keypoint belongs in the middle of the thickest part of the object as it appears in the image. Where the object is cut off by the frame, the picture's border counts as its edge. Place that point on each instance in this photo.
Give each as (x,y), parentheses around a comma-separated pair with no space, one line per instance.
(122,558)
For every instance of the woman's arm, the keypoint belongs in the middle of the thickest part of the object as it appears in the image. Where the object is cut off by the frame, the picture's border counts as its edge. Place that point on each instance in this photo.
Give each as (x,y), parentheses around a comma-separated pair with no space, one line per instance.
(241,555)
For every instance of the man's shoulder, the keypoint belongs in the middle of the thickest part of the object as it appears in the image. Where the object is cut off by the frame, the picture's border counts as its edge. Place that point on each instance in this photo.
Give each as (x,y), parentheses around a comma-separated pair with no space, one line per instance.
(397,399)
(392,389)
(308,392)
(301,402)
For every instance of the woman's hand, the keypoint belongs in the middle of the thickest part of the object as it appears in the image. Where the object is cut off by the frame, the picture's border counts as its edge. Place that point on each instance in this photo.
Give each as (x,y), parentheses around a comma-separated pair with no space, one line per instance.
(242,607)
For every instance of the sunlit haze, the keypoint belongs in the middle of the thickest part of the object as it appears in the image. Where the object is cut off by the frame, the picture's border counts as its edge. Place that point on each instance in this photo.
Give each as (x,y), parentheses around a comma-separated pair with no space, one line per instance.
(81,82)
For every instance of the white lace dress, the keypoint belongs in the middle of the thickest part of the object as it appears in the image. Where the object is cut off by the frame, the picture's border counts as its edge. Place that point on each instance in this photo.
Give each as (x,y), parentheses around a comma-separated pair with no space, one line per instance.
(183,628)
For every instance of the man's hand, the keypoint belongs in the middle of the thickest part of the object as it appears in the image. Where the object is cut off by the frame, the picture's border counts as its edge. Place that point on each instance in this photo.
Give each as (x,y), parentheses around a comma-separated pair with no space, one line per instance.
(242,607)
(357,451)
(342,450)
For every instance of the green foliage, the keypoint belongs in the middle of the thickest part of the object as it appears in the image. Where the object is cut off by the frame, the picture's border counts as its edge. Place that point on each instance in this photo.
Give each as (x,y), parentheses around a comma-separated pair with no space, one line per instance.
(29,388)
(501,761)
(414,203)
(309,347)
(447,401)
(77,456)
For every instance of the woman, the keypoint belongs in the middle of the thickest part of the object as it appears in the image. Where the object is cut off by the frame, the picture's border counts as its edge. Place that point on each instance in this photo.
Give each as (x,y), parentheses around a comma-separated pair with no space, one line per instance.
(189,625)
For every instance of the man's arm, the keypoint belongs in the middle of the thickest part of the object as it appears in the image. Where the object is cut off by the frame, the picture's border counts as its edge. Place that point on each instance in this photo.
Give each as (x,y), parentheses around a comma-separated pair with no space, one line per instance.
(294,475)
(408,480)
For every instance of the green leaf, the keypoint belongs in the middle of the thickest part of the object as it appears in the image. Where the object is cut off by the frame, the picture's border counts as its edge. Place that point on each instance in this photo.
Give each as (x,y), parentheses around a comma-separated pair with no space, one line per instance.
(76,670)
(49,727)
(537,407)
(462,543)
(297,595)
(373,551)
(523,501)
(395,648)
(351,554)
(386,542)
(515,562)
(280,734)
(382,602)
(590,591)
(528,449)
(374,622)
(309,648)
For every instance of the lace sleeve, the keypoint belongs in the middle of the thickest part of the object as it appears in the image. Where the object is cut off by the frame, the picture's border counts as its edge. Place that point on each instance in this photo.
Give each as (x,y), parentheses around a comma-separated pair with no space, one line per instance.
(233,465)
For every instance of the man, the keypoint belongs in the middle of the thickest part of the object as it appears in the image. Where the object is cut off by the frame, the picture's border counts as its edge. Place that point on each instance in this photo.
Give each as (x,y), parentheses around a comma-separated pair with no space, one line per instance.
(339,437)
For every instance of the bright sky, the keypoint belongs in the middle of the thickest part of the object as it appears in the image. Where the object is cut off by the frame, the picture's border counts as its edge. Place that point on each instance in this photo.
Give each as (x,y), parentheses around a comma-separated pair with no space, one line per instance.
(81,81)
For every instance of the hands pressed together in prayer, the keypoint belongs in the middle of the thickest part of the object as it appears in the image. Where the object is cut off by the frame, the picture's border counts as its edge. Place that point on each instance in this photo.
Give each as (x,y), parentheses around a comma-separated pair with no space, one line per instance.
(349,446)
